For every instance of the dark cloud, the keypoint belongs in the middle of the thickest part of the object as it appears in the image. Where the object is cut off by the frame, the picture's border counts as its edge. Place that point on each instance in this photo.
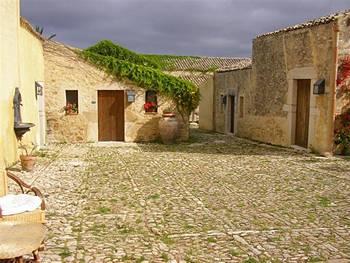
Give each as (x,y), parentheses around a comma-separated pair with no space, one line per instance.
(184,27)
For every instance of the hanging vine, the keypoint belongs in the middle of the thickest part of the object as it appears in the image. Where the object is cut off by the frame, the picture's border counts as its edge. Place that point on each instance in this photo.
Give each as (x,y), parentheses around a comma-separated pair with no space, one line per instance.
(145,73)
(108,48)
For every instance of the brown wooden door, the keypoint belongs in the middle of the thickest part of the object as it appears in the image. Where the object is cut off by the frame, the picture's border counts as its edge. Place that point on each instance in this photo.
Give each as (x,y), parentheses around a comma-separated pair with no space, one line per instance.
(232,114)
(111,115)
(303,112)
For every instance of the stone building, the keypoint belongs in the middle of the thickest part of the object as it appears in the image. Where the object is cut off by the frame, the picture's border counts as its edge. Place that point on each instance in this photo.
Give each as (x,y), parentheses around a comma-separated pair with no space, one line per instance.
(70,79)
(288,95)
(104,108)
(22,66)
(200,71)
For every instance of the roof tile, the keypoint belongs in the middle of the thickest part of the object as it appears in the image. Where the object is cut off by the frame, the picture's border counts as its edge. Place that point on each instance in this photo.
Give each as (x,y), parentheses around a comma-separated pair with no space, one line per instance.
(319,21)
(203,63)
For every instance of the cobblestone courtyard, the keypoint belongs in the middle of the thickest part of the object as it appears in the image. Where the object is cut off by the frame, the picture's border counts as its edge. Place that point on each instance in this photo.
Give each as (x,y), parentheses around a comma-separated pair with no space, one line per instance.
(215,199)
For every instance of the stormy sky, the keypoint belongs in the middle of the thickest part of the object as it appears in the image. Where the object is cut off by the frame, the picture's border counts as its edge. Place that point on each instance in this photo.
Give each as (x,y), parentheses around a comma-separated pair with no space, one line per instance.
(182,27)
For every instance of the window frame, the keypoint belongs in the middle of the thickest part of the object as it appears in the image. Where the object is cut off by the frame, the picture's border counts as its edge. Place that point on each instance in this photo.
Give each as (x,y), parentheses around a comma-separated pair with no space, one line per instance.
(151,96)
(72,98)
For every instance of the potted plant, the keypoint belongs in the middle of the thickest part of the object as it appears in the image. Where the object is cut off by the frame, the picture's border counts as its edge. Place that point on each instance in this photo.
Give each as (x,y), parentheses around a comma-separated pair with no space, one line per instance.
(70,109)
(27,158)
(150,106)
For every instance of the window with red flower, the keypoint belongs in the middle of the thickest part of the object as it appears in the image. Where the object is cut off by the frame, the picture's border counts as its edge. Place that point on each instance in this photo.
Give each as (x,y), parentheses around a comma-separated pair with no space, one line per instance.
(71,102)
(150,101)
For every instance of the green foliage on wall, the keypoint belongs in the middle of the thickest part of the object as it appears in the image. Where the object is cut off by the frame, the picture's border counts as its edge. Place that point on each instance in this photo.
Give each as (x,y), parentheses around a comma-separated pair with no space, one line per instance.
(108,48)
(127,65)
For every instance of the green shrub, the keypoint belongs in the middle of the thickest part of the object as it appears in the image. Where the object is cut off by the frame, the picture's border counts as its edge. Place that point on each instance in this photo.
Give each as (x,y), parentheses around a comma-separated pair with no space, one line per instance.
(108,48)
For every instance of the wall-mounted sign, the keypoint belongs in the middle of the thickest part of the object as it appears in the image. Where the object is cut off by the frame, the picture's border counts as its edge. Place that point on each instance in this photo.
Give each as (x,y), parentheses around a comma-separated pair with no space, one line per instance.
(131,95)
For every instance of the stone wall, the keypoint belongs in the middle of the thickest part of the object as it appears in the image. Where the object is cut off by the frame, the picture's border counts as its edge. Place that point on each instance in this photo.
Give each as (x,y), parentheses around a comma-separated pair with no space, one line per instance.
(269,88)
(230,83)
(247,124)
(64,70)
(269,74)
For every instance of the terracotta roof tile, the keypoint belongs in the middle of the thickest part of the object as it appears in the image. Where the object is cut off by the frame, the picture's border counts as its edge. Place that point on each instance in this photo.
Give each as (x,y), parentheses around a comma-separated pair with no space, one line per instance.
(198,80)
(247,65)
(202,64)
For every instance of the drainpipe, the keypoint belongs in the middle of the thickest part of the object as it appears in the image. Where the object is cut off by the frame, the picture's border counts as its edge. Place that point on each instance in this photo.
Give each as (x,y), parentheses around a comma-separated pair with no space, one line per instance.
(334,82)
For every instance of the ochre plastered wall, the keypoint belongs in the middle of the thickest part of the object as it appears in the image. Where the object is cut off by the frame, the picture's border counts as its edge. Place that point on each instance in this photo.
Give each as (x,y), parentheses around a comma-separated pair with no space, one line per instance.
(31,57)
(64,70)
(206,104)
(9,77)
(21,64)
(269,88)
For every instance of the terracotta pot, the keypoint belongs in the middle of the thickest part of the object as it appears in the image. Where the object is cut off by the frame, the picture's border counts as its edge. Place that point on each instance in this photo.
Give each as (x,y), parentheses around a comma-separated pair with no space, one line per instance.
(27,162)
(168,127)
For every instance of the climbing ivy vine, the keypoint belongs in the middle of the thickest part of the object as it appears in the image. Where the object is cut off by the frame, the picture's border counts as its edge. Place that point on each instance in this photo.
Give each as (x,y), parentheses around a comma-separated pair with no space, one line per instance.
(108,48)
(144,72)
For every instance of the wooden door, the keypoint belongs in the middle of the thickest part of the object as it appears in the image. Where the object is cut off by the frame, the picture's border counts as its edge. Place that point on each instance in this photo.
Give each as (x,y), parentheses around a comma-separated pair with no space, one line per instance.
(111,115)
(302,113)
(232,114)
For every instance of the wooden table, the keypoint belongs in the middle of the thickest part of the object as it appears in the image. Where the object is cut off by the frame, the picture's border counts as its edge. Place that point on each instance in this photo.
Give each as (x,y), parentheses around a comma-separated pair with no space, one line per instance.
(18,239)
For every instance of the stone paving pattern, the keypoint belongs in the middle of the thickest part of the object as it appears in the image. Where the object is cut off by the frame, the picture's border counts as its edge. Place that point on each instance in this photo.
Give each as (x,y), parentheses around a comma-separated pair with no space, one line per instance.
(215,199)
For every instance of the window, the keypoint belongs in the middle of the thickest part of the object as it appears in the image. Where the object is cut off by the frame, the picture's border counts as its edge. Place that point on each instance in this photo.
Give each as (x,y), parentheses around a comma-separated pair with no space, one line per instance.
(151,101)
(241,107)
(223,101)
(72,105)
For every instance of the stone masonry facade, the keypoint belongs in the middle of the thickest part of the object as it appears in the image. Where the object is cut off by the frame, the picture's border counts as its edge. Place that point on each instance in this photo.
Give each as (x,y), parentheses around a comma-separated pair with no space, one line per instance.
(65,70)
(267,89)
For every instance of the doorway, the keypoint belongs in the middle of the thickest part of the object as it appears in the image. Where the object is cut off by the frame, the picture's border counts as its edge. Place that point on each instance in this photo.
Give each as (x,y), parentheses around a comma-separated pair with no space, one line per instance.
(302,112)
(232,114)
(111,115)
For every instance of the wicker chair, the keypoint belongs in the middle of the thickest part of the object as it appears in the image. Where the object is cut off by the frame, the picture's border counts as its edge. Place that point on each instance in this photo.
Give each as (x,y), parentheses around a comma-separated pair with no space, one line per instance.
(36,216)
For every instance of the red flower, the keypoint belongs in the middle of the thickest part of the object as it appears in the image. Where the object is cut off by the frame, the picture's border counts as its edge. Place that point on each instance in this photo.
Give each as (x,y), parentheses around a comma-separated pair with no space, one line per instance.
(150,106)
(343,70)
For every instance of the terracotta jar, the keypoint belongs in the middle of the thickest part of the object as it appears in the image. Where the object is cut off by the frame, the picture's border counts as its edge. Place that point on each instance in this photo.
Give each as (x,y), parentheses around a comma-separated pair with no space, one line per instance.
(168,127)
(27,162)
